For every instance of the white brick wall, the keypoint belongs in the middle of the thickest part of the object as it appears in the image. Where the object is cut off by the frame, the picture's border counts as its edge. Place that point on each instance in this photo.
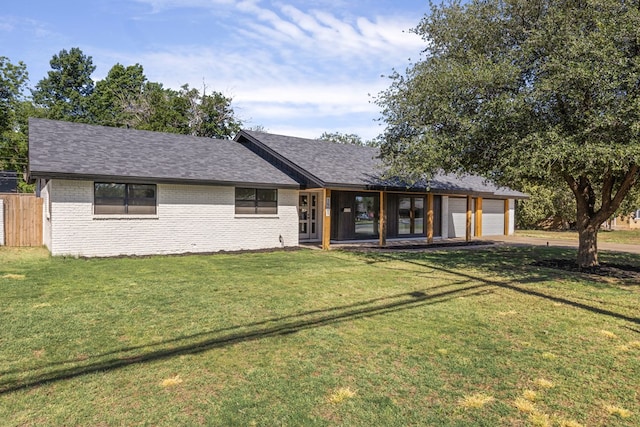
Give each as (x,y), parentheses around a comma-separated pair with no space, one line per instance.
(190,218)
(1,222)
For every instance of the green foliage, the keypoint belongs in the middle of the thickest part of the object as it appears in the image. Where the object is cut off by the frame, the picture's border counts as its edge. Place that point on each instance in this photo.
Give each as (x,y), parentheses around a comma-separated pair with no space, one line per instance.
(15,111)
(126,98)
(161,110)
(342,138)
(67,87)
(123,98)
(544,92)
(348,138)
(117,100)
(208,115)
(546,203)
(13,79)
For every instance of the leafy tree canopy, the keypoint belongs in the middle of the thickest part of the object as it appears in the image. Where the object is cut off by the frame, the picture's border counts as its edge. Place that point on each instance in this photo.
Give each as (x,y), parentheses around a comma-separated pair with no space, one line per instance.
(124,98)
(342,138)
(525,91)
(209,115)
(15,110)
(13,79)
(65,90)
(116,100)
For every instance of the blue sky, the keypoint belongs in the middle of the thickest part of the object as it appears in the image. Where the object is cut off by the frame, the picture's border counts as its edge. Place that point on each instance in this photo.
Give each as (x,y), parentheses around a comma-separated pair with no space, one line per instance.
(295,67)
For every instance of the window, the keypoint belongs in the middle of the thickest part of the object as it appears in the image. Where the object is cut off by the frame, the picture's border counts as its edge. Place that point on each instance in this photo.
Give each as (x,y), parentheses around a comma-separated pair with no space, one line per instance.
(367,210)
(125,199)
(256,201)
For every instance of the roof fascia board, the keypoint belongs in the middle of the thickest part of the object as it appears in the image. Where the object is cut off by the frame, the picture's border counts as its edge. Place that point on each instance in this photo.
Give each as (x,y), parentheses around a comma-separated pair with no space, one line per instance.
(452,193)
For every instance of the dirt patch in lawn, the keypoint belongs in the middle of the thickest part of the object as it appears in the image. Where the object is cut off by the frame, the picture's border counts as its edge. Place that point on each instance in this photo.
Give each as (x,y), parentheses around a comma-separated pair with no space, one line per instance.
(604,270)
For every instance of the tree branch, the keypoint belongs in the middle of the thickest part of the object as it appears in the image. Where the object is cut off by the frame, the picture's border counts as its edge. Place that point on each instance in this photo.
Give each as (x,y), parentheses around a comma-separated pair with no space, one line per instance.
(607,188)
(629,180)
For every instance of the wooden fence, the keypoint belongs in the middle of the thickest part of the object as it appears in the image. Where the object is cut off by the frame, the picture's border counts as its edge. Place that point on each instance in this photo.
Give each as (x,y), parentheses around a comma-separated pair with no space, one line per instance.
(22,220)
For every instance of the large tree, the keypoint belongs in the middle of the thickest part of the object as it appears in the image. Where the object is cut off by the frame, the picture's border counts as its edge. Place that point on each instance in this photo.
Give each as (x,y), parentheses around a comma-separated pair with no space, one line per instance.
(13,78)
(117,99)
(537,91)
(64,93)
(15,109)
(126,98)
(208,115)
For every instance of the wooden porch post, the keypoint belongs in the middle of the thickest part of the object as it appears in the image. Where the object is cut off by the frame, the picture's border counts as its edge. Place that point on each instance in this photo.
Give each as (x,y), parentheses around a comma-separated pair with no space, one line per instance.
(429,218)
(383,220)
(506,217)
(326,223)
(479,217)
(468,230)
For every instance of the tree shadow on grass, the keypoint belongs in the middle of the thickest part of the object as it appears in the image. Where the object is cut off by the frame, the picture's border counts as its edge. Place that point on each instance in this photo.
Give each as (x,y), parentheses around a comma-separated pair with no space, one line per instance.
(197,343)
(518,273)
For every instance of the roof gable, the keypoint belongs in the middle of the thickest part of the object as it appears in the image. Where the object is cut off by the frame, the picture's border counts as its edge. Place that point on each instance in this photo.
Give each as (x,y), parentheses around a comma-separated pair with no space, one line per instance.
(328,164)
(73,150)
(325,163)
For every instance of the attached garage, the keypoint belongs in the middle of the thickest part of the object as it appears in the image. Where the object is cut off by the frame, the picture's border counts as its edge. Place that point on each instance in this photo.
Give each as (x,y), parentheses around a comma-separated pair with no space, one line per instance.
(492,217)
(458,217)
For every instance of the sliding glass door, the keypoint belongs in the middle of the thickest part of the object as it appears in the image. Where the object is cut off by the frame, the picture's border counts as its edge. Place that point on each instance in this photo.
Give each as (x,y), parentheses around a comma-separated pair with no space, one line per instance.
(411,215)
(366,216)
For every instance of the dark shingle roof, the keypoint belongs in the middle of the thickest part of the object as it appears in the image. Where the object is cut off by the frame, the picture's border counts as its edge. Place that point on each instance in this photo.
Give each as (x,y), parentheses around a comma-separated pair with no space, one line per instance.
(328,164)
(72,150)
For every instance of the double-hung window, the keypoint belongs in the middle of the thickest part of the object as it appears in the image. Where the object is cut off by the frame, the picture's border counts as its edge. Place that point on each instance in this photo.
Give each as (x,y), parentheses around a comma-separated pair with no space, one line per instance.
(256,201)
(110,198)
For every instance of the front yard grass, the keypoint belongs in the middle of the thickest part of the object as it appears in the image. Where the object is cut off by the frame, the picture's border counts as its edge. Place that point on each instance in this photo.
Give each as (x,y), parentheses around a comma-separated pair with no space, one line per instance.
(470,337)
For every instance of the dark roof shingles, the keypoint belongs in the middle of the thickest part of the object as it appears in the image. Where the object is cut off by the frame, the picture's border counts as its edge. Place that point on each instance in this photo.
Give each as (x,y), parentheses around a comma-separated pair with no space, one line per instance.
(78,150)
(356,166)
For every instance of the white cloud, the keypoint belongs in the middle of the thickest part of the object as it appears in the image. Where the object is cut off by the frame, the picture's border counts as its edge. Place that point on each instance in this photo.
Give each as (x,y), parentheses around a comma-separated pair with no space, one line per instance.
(30,27)
(291,70)
(320,33)
(6,25)
(162,5)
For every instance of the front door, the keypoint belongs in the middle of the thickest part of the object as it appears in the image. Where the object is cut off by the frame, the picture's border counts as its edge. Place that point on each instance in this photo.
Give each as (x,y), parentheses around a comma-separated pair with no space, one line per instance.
(308,216)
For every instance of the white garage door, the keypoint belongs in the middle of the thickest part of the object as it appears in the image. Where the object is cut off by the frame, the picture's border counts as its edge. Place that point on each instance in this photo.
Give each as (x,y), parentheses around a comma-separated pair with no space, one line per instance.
(492,217)
(458,217)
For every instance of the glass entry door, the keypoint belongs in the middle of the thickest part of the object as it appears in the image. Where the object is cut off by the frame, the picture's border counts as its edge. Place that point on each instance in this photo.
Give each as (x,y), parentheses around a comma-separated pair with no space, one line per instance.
(308,216)
(410,215)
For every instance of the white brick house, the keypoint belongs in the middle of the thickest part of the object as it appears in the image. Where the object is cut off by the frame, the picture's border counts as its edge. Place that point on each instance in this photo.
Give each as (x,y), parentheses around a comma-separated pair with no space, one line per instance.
(189,218)
(113,191)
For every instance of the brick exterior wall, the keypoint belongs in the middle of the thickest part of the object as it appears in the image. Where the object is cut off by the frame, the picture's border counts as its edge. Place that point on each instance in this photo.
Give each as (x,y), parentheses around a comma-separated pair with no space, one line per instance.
(190,218)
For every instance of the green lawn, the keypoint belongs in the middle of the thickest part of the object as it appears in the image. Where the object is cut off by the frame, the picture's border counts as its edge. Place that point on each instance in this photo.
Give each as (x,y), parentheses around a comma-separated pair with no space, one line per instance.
(312,338)
(629,237)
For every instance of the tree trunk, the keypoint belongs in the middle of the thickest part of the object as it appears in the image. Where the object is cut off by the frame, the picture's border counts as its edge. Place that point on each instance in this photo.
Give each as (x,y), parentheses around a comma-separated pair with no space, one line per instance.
(588,246)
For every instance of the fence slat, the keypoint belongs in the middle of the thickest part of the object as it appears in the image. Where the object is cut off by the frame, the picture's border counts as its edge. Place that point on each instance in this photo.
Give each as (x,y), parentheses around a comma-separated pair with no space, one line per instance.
(22,219)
